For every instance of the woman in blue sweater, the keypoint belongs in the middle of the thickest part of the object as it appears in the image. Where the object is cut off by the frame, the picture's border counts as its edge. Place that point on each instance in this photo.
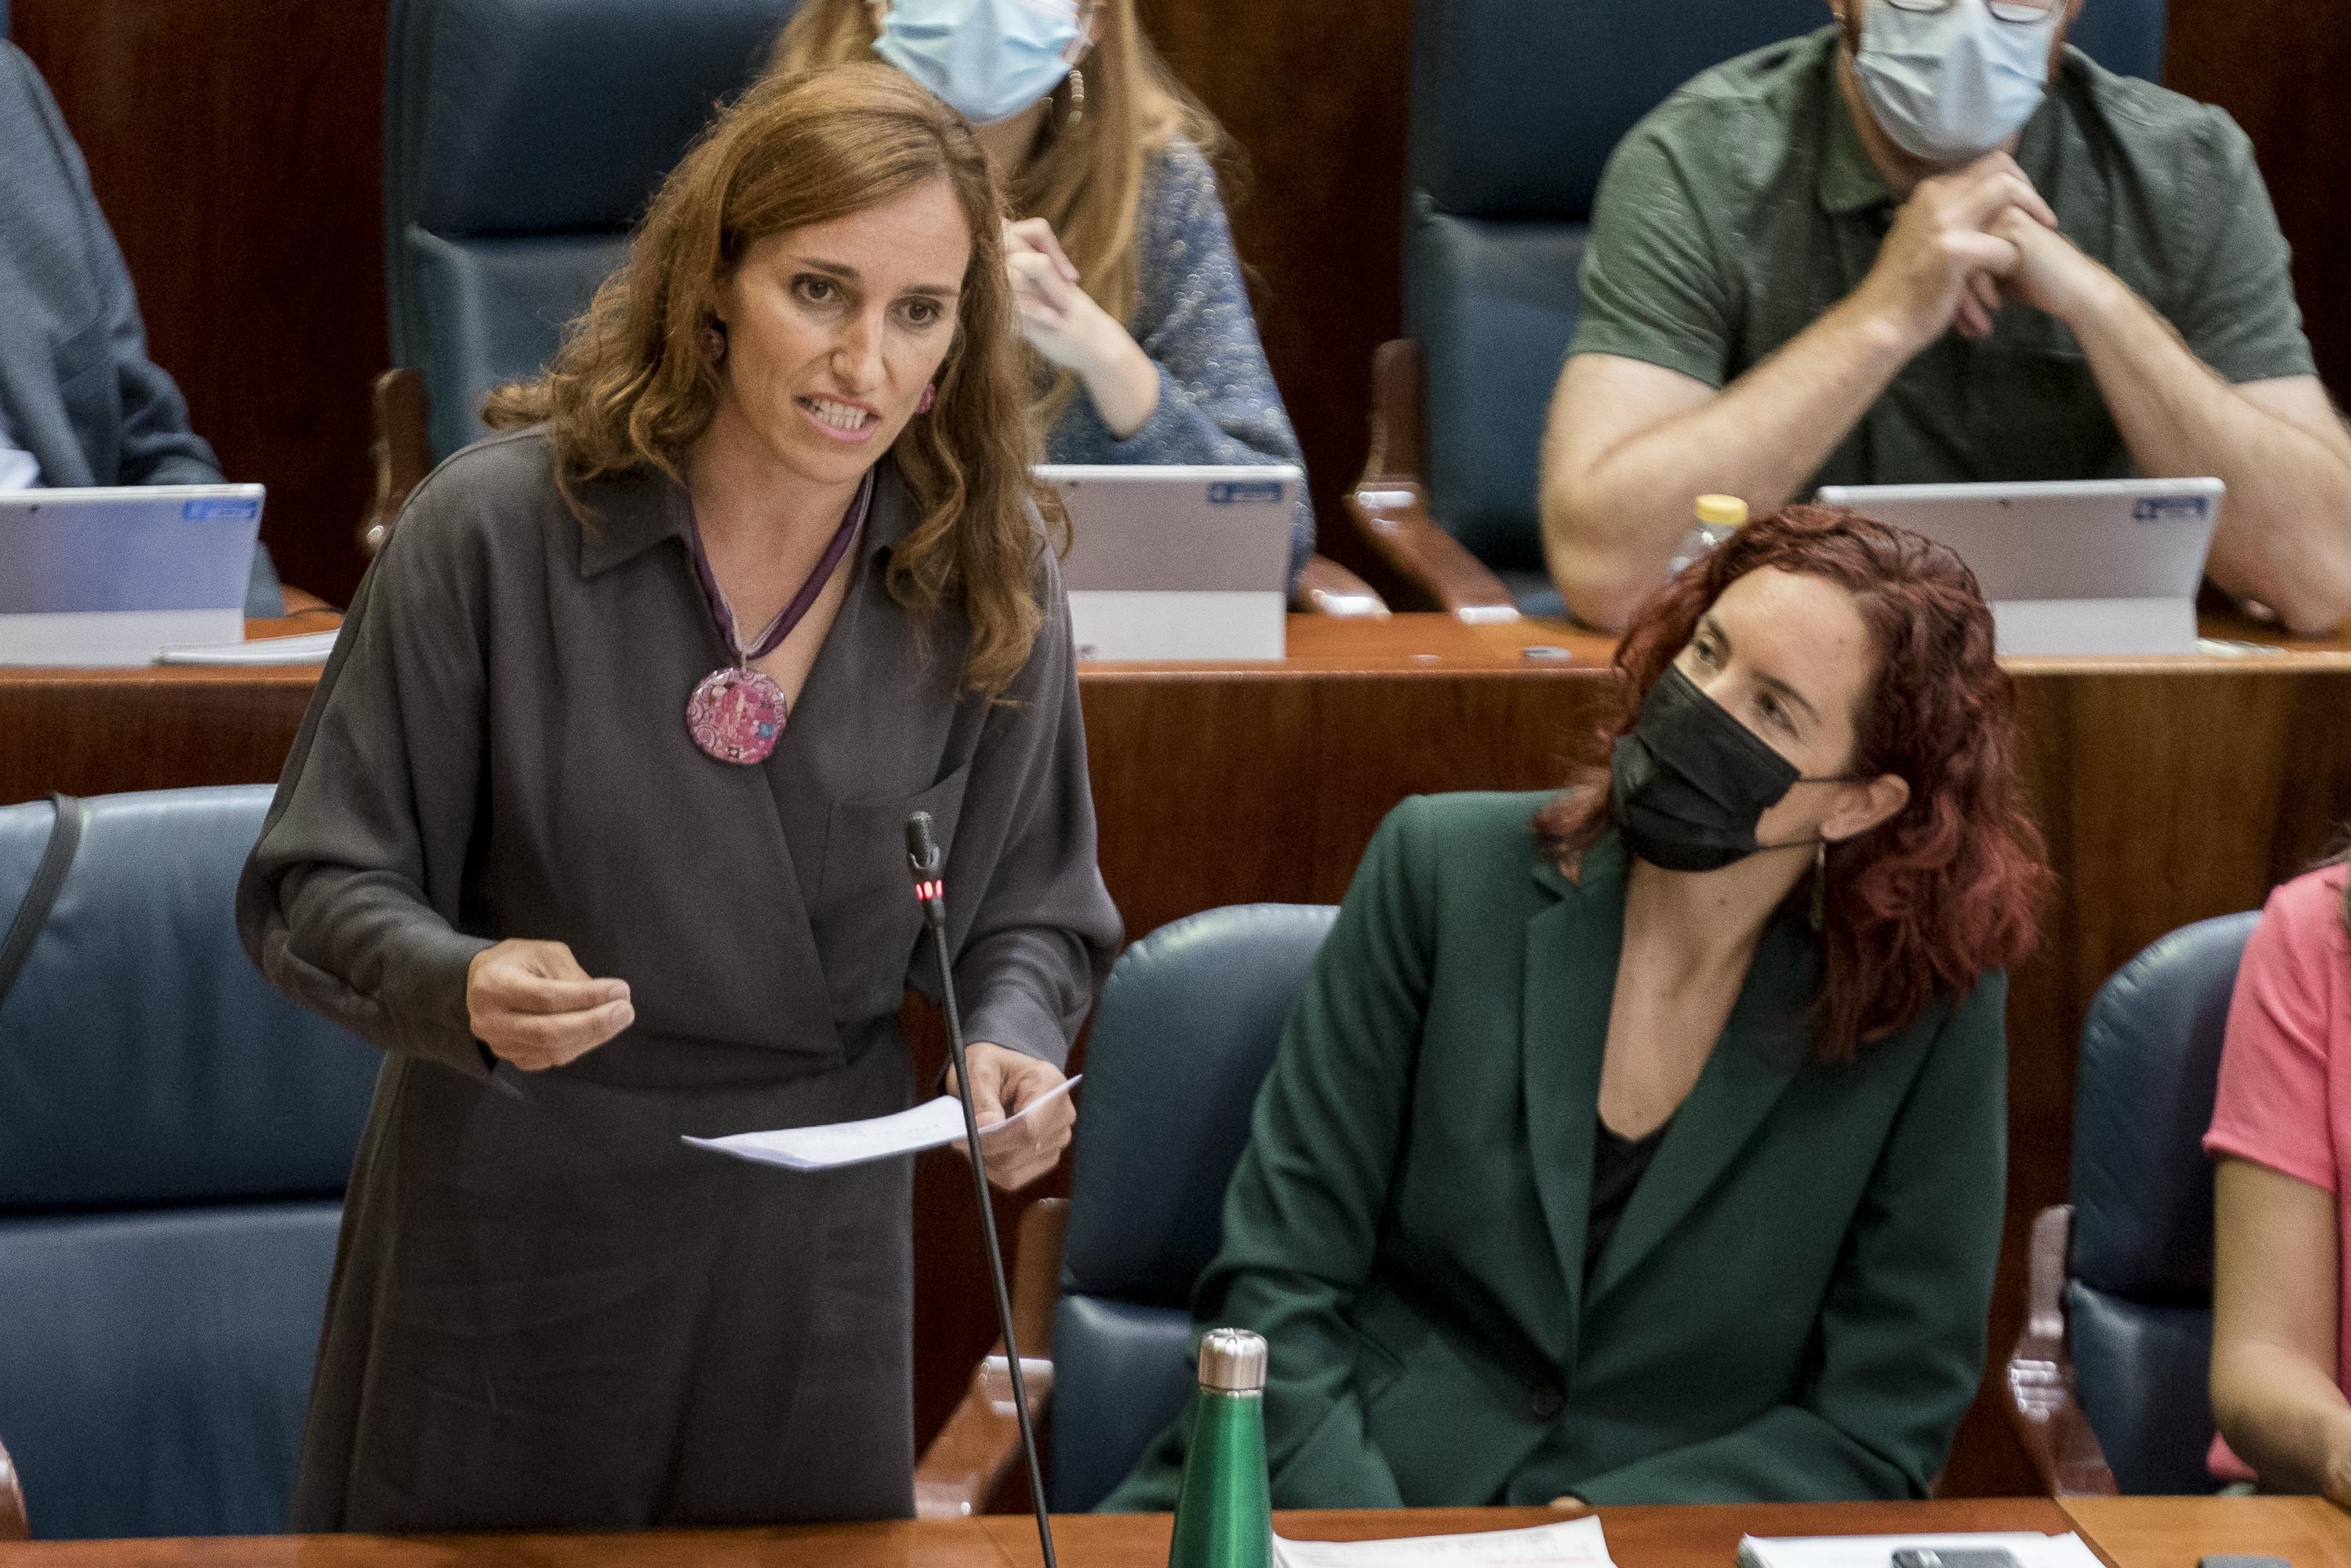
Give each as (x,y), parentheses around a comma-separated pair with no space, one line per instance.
(1122,261)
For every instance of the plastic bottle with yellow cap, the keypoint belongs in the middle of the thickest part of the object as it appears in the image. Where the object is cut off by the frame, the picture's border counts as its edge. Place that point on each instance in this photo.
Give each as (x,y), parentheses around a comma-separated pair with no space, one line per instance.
(1718,517)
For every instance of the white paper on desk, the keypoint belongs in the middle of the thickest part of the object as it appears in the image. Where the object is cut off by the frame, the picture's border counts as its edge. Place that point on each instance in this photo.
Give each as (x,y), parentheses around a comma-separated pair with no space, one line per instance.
(1573,1543)
(2030,1549)
(837,1144)
(307,648)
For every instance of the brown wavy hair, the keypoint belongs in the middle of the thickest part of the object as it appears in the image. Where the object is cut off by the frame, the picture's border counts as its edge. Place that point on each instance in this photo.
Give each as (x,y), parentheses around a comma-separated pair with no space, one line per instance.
(1086,176)
(1953,884)
(630,390)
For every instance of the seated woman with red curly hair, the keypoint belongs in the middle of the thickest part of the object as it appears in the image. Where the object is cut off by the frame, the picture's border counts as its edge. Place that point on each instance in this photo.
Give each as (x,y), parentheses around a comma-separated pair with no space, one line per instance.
(1644,1143)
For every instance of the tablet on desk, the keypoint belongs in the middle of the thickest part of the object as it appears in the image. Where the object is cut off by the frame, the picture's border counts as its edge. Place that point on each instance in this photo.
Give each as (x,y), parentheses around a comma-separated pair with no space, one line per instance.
(108,576)
(1177,563)
(2070,567)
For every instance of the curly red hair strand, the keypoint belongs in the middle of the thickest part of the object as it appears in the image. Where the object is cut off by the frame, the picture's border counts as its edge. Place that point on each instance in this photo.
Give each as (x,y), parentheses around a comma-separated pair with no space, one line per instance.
(1951,885)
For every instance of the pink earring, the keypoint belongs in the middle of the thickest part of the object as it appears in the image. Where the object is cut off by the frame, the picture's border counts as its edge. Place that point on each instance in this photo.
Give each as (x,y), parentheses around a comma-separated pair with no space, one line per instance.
(930,396)
(714,343)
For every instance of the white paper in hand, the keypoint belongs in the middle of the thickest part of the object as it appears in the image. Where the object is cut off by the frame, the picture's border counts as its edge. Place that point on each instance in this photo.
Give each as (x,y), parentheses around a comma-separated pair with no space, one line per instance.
(929,1126)
(1573,1543)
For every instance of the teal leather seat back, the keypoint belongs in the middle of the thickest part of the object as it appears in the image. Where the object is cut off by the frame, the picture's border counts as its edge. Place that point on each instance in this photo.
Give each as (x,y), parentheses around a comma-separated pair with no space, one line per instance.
(1515,110)
(2138,1287)
(174,1139)
(1181,1041)
(157,1364)
(522,139)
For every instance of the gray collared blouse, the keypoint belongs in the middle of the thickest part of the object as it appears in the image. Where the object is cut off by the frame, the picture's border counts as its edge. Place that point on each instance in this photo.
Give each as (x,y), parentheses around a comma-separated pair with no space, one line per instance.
(548,1312)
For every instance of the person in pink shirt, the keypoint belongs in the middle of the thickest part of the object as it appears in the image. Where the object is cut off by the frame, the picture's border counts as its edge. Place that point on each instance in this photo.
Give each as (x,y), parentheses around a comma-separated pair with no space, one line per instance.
(2282,1136)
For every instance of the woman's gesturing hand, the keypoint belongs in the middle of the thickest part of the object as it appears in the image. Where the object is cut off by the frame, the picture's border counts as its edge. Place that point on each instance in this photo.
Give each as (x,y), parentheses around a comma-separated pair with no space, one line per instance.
(534,1006)
(1003,1083)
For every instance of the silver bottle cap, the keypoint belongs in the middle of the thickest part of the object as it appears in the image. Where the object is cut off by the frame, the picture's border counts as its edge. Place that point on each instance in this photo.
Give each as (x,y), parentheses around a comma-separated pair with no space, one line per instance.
(1232,1361)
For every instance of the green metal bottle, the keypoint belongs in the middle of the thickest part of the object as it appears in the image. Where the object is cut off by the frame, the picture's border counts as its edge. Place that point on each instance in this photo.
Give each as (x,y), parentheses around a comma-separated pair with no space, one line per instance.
(1224,1513)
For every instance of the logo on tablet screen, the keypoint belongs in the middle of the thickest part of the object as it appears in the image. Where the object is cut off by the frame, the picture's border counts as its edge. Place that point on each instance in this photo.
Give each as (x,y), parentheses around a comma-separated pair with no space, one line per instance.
(2171,509)
(211,508)
(1243,492)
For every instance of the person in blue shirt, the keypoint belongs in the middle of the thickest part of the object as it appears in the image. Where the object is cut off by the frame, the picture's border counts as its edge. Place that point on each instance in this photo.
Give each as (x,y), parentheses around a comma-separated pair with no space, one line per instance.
(1121,259)
(80,402)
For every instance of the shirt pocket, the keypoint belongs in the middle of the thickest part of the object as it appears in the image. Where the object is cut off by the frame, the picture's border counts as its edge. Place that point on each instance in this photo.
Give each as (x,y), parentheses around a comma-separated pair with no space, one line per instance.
(2036,413)
(868,922)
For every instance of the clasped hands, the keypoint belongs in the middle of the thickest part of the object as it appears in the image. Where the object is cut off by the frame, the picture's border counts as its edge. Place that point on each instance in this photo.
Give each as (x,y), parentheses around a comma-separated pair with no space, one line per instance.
(1968,242)
(533,1004)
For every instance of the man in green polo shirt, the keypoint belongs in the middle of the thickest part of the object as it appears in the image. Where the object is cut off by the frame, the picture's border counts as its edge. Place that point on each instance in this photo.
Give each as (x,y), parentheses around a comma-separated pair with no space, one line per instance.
(1934,244)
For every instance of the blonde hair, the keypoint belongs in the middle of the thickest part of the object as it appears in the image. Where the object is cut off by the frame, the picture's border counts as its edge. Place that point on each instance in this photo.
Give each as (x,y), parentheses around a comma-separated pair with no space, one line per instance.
(1085,178)
(631,389)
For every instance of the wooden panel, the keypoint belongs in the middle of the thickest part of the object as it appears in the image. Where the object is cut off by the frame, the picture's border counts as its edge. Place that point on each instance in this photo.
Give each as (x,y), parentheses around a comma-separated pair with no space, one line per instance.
(99,732)
(2278,66)
(1195,813)
(235,146)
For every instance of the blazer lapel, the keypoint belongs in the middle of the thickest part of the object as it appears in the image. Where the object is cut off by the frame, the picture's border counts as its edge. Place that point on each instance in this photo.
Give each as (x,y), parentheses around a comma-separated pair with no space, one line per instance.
(1763,1046)
(1571,979)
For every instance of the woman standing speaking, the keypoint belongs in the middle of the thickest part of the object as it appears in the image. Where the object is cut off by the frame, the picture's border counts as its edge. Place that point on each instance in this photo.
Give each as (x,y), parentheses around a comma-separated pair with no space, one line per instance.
(595,826)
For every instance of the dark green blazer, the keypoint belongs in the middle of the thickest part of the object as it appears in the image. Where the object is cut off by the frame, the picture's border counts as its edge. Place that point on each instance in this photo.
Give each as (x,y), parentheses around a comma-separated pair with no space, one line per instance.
(1791,1306)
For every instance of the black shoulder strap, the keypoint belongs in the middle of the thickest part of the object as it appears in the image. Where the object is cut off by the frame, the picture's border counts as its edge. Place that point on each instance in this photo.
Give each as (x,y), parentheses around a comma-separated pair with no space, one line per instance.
(65,837)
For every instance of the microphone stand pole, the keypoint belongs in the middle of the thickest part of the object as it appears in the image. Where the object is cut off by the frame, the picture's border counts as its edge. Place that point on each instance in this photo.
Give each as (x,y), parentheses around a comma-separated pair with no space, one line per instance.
(922,856)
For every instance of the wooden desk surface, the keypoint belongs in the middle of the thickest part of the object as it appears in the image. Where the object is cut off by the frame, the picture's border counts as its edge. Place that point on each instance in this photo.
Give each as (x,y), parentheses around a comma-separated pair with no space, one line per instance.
(1438,643)
(2175,1532)
(1704,1537)
(2169,791)
(35,676)
(1637,1538)
(2128,1533)
(1322,645)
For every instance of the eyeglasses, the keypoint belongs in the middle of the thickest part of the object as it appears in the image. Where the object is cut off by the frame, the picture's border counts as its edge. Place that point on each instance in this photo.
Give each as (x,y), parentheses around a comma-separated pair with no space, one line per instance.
(2024,13)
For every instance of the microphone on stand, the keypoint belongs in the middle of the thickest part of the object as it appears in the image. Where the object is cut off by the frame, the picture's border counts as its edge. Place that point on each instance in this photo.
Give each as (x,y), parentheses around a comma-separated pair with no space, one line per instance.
(924,859)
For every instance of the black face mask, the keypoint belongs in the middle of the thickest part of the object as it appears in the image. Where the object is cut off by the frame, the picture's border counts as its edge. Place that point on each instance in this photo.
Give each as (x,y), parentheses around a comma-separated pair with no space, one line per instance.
(1688,784)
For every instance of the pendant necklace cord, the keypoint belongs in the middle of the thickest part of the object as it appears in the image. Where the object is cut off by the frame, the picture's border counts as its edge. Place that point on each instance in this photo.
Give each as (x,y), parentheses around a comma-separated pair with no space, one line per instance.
(852,522)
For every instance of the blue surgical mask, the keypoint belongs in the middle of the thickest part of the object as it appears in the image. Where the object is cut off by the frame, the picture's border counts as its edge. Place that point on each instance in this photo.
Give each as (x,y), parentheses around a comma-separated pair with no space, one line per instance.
(986,59)
(1949,86)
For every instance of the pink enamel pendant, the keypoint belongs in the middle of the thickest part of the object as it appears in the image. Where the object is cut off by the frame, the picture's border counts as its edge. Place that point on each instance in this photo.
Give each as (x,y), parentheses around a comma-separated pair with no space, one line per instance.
(736,715)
